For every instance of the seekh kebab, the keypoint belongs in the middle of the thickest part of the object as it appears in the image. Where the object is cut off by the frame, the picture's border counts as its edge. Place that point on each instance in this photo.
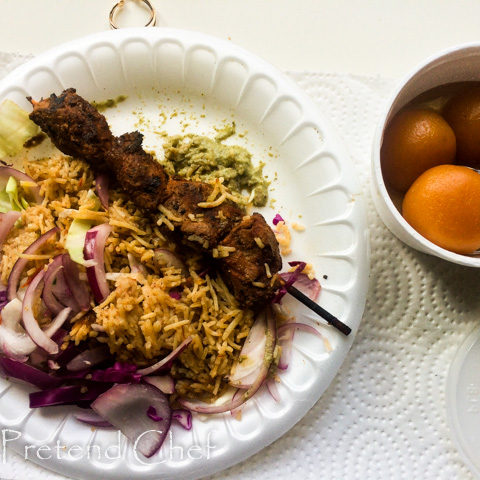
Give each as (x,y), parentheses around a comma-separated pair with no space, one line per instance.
(253,259)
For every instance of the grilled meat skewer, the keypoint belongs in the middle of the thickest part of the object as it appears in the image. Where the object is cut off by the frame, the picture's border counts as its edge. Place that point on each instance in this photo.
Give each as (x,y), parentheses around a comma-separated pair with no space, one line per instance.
(78,129)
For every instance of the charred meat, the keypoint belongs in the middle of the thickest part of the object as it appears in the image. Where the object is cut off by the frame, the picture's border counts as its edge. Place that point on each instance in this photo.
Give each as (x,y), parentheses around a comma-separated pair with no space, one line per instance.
(136,171)
(251,266)
(202,226)
(74,126)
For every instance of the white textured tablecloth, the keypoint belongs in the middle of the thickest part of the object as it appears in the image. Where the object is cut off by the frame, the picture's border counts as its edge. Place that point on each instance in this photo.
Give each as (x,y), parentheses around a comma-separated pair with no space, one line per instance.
(384,416)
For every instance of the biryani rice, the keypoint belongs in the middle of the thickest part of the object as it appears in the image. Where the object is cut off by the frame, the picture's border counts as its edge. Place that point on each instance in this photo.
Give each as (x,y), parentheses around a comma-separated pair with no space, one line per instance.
(146,316)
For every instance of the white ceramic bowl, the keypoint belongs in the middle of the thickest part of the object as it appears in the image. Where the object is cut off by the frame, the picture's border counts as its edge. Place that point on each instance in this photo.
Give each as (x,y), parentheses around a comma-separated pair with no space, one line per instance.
(458,64)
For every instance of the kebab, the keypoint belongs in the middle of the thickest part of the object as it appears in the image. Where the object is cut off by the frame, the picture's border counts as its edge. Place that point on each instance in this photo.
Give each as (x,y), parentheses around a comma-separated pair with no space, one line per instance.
(253,259)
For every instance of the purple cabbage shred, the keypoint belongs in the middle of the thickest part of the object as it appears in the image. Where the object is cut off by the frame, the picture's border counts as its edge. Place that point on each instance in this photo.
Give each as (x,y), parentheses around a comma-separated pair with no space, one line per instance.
(152,413)
(119,373)
(277,218)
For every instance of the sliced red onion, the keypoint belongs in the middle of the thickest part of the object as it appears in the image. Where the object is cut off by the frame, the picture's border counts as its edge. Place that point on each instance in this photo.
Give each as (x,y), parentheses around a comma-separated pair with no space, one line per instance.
(101,186)
(310,287)
(49,298)
(53,365)
(10,348)
(91,418)
(237,400)
(63,294)
(27,373)
(165,258)
(272,389)
(30,323)
(298,326)
(246,382)
(88,358)
(236,412)
(14,342)
(94,250)
(16,273)
(285,338)
(75,284)
(289,278)
(12,315)
(233,404)
(7,221)
(286,342)
(135,265)
(251,357)
(125,407)
(277,218)
(39,336)
(6,172)
(166,362)
(164,383)
(68,395)
(57,323)
(183,417)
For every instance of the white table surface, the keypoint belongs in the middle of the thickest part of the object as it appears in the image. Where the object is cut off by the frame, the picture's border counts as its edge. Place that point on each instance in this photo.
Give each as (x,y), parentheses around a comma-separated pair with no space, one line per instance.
(364,37)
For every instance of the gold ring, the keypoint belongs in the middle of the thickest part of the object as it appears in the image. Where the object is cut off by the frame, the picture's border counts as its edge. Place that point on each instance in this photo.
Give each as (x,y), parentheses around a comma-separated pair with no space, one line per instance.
(118,6)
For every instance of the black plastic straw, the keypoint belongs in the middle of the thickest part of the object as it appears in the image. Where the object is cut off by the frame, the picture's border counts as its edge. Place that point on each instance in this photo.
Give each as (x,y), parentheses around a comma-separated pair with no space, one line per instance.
(332,320)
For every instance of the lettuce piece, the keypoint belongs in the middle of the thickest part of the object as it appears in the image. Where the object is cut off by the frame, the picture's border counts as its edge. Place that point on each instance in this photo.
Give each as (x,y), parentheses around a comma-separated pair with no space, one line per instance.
(5,205)
(75,240)
(10,198)
(12,192)
(93,198)
(15,128)
(24,203)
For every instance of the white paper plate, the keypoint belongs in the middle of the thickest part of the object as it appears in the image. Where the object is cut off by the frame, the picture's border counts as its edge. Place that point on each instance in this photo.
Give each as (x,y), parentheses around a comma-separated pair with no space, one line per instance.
(199,82)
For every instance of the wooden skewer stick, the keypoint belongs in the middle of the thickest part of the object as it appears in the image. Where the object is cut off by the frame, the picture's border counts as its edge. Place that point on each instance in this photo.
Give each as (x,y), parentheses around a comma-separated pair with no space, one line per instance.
(332,320)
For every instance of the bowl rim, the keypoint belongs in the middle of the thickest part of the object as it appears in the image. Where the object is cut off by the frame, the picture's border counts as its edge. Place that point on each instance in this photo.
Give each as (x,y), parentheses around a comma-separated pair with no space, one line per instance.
(423,244)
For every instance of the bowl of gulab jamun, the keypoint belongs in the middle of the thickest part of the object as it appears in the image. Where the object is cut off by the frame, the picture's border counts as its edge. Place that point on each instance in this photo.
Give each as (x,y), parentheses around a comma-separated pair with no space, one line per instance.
(426,158)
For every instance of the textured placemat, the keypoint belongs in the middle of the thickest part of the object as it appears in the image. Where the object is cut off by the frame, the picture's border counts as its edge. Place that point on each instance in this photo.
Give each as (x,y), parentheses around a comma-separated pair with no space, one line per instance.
(384,416)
